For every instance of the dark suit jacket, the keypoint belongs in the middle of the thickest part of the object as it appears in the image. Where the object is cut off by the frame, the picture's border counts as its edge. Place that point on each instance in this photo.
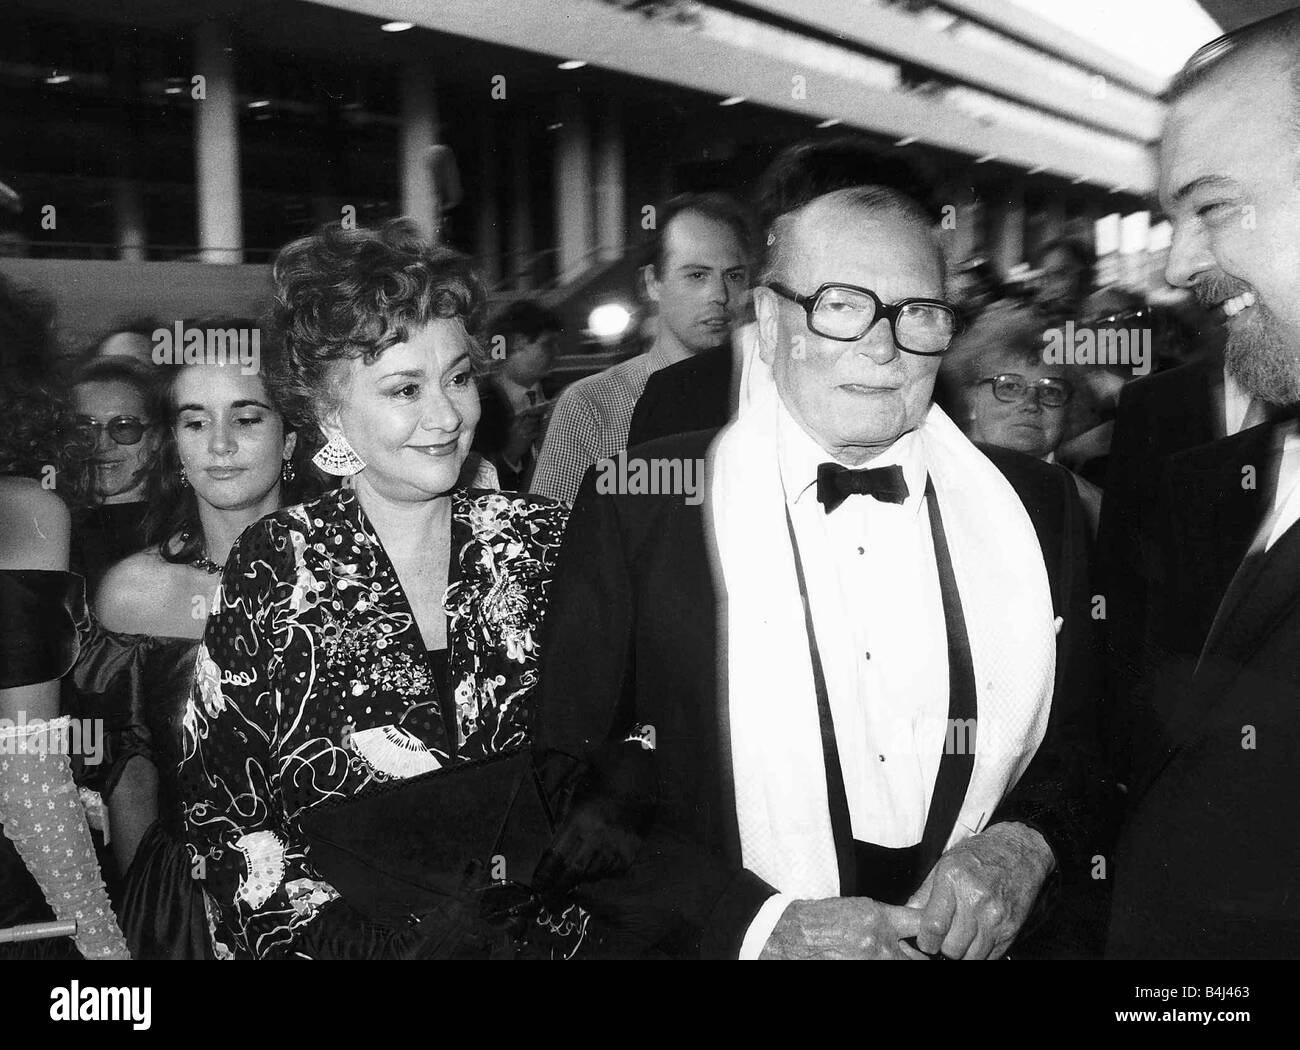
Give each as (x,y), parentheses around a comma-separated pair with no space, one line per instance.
(1208,865)
(631,638)
(694,394)
(1159,416)
(491,435)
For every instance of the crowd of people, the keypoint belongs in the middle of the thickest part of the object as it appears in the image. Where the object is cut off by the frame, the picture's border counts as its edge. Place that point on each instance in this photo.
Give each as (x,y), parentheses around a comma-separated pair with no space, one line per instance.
(922,640)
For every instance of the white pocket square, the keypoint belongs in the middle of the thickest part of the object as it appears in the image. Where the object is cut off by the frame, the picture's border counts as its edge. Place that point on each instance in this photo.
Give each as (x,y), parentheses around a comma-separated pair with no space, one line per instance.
(1060,622)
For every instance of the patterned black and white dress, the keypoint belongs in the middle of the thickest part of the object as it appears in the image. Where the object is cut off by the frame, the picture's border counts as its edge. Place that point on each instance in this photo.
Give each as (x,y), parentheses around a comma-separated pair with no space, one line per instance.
(313,684)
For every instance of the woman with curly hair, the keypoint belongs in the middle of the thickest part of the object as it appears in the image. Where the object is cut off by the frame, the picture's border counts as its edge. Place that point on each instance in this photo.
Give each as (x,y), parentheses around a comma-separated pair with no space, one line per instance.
(368,645)
(48,866)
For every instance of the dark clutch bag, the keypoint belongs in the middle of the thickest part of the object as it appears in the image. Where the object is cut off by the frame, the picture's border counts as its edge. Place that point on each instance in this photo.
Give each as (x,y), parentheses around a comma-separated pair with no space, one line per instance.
(407,847)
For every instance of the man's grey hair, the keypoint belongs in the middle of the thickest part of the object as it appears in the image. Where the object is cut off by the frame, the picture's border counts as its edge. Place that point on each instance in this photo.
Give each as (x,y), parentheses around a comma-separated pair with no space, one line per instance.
(1279,34)
(869,199)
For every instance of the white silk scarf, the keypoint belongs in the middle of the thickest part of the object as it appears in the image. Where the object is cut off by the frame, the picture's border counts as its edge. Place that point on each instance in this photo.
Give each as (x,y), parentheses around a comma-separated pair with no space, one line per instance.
(778,768)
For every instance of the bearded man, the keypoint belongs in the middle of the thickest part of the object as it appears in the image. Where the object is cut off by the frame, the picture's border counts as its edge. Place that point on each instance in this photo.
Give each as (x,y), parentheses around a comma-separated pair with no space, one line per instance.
(1208,865)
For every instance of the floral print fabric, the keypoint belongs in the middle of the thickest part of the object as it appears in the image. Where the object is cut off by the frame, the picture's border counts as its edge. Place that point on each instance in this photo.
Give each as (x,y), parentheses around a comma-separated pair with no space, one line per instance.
(313,683)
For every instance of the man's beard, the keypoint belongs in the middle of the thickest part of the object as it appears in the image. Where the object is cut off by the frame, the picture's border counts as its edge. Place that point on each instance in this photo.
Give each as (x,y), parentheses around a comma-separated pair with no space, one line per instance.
(1261,359)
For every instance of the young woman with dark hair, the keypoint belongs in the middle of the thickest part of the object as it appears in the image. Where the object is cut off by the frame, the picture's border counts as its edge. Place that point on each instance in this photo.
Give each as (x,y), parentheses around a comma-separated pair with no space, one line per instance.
(225,461)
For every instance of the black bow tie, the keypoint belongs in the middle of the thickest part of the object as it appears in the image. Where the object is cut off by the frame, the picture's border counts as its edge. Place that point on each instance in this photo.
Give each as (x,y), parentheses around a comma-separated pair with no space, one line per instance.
(835,484)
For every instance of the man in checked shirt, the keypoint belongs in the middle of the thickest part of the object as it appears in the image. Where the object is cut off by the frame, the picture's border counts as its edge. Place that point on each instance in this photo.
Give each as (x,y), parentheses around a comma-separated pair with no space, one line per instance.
(699,276)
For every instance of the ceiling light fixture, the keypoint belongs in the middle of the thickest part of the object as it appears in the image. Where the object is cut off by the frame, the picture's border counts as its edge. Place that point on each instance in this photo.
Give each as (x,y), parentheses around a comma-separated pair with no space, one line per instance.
(396,27)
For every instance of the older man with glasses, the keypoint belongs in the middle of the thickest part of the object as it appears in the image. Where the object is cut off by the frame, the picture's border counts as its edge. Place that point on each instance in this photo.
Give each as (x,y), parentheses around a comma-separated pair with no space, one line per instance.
(759,711)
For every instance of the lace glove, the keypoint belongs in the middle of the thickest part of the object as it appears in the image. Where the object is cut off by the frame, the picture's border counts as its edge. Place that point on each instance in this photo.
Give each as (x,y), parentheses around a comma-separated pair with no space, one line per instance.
(43,816)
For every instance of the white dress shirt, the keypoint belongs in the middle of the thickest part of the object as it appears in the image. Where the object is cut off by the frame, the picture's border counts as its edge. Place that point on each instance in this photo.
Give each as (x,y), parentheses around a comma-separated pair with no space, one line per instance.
(1286,501)
(1236,403)
(878,614)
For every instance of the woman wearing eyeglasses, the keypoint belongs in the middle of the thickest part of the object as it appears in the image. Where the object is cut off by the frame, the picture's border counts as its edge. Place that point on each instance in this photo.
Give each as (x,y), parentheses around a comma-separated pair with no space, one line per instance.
(48,867)
(1011,399)
(114,405)
(224,462)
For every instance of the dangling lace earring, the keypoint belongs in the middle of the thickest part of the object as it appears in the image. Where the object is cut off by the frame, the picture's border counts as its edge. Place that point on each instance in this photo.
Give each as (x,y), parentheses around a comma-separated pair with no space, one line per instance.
(180,476)
(287,472)
(339,458)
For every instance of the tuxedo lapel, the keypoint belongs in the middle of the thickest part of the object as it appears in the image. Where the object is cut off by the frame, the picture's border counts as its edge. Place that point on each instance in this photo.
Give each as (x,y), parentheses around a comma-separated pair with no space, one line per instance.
(1214,510)
(1265,590)
(1215,520)
(1266,593)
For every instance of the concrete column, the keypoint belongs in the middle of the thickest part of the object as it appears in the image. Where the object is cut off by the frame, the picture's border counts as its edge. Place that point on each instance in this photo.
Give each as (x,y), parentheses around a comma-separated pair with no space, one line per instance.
(419,135)
(1054,214)
(1009,238)
(488,239)
(573,191)
(128,217)
(959,231)
(521,205)
(216,147)
(611,184)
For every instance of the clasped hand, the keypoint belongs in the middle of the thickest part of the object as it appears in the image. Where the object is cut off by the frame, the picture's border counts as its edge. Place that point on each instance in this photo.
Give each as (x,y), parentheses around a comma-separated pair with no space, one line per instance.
(971,906)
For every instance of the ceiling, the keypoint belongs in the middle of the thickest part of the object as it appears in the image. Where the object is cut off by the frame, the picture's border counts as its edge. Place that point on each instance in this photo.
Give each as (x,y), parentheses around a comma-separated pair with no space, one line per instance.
(1233,14)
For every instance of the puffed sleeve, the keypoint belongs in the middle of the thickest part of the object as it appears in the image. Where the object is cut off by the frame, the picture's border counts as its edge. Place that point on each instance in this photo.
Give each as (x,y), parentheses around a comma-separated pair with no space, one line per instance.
(107,683)
(250,858)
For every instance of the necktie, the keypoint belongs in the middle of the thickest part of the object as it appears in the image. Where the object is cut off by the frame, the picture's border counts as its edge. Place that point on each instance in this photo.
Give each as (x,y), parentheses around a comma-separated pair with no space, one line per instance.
(835,484)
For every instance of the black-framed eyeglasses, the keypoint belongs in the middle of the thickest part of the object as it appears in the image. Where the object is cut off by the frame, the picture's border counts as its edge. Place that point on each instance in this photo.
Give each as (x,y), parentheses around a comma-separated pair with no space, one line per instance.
(124,430)
(1010,387)
(845,312)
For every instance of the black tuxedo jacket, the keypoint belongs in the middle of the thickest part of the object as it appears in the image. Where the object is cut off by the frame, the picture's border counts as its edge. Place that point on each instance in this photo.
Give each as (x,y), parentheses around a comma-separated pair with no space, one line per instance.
(1208,865)
(695,394)
(1159,416)
(631,639)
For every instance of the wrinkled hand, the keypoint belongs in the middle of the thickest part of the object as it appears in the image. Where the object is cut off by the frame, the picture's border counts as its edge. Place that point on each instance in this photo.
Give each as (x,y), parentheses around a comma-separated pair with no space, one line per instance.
(977,896)
(843,928)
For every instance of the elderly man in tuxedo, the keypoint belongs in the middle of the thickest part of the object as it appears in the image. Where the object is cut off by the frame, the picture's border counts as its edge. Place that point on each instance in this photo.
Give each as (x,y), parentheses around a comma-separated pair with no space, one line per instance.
(1208,865)
(832,703)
